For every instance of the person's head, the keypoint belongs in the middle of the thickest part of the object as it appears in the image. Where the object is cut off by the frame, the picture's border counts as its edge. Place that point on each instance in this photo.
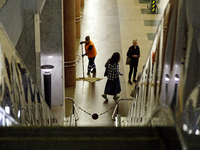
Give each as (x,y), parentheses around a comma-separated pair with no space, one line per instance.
(87,39)
(135,42)
(115,58)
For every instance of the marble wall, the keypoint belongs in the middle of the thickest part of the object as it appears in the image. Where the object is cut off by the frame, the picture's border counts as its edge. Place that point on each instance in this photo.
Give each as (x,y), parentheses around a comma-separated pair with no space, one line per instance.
(12,19)
(26,44)
(51,46)
(17,18)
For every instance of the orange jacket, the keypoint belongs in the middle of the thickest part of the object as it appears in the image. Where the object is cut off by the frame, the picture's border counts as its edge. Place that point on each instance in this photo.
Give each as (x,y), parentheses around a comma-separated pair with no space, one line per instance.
(92,53)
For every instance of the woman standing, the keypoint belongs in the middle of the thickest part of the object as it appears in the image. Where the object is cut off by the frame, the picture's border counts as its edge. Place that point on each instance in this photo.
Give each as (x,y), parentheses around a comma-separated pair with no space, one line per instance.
(113,86)
(134,53)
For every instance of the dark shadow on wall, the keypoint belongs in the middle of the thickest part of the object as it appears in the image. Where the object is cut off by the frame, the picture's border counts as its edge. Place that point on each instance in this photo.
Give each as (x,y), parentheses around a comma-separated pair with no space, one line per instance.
(26,44)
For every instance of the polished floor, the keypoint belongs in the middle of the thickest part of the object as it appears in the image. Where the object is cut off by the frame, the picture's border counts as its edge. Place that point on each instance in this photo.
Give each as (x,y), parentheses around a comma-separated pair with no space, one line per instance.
(112,25)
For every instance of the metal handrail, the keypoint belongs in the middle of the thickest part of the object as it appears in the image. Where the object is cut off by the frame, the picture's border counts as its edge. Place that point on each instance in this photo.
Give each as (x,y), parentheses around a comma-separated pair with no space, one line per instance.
(74,108)
(116,106)
(155,111)
(11,119)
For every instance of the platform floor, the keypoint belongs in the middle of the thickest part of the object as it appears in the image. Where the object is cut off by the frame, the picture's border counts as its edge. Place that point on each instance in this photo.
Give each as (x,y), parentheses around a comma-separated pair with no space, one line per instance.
(112,25)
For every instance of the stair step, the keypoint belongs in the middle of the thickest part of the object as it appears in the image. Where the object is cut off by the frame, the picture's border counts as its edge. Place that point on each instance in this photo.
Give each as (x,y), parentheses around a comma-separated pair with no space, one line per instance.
(89,138)
(80,131)
(80,144)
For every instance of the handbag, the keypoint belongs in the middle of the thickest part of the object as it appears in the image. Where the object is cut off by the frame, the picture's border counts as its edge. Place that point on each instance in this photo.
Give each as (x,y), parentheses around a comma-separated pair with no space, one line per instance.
(128,60)
(134,91)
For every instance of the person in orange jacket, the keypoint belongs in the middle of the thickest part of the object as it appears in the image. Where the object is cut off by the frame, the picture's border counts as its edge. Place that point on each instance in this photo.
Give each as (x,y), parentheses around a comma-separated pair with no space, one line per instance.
(91,53)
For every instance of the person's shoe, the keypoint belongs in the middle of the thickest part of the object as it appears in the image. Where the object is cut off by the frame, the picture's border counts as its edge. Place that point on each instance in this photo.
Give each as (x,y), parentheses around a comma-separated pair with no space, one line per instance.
(116,97)
(134,80)
(88,73)
(106,101)
(104,96)
(93,71)
(130,82)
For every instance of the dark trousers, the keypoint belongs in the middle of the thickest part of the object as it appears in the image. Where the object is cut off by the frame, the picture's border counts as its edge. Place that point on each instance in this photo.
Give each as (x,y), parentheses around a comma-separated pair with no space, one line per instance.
(91,64)
(133,65)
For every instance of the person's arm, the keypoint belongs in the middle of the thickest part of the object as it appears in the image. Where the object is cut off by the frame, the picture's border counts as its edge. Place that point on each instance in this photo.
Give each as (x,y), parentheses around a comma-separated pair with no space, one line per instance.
(86,53)
(117,70)
(135,56)
(108,61)
(139,51)
(82,42)
(129,52)
(90,48)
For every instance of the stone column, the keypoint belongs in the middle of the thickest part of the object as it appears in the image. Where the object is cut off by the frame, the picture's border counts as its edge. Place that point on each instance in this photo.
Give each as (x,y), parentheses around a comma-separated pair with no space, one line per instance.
(82,3)
(69,41)
(78,23)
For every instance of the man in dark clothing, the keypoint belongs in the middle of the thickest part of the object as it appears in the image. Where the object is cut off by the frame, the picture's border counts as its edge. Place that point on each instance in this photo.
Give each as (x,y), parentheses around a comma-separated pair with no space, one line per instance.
(134,53)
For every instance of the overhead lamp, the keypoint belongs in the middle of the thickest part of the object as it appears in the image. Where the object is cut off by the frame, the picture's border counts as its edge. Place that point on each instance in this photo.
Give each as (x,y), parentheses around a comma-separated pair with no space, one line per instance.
(185,128)
(177,78)
(47,68)
(50,56)
(197,132)
(47,82)
(167,77)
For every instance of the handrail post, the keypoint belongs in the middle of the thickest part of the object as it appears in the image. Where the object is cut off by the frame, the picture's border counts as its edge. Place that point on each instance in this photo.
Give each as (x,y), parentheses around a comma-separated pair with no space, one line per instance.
(74,110)
(114,111)
(116,107)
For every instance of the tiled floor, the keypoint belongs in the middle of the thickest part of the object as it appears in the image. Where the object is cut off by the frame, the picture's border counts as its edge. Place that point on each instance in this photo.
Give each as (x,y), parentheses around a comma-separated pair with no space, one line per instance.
(112,25)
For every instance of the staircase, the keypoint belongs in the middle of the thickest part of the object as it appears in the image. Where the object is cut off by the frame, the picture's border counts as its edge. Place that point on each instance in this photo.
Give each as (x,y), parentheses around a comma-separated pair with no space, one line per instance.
(89,138)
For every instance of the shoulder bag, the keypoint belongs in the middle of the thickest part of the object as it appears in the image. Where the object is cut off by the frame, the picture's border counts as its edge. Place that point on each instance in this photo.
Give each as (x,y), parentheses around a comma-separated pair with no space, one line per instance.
(128,58)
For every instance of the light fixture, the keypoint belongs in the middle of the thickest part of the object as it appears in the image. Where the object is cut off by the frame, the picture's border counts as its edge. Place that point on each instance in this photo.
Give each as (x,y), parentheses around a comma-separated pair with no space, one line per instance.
(197,132)
(47,83)
(190,131)
(47,68)
(50,56)
(185,127)
(167,77)
(177,78)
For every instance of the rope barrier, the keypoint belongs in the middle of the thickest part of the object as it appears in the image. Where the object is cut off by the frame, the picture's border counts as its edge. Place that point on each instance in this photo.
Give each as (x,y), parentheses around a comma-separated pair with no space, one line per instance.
(73,63)
(78,19)
(95,116)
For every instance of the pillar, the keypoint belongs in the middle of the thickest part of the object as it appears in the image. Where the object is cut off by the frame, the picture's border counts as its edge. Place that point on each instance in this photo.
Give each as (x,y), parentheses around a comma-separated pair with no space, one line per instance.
(78,23)
(69,41)
(82,3)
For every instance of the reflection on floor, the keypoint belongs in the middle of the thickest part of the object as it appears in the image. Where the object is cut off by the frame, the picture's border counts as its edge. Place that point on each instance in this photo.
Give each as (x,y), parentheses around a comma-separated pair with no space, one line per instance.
(111,25)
